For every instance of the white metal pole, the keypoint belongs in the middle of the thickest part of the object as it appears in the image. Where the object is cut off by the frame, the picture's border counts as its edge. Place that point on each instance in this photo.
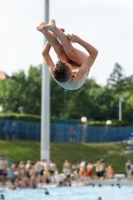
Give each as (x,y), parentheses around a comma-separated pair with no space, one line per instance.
(45,101)
(120,110)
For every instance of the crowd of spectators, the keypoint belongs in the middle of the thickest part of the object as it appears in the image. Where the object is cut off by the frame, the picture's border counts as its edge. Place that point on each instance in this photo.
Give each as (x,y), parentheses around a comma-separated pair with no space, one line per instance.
(40,173)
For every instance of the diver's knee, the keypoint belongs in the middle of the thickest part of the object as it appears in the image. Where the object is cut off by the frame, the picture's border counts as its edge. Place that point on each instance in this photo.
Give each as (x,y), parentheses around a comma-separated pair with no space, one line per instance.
(70,52)
(59,50)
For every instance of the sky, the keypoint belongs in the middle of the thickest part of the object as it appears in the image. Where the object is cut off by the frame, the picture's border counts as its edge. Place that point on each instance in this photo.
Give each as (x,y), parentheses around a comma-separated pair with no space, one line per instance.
(107,25)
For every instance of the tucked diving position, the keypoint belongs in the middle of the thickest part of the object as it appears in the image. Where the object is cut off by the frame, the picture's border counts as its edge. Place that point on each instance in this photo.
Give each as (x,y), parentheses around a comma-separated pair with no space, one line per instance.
(73,65)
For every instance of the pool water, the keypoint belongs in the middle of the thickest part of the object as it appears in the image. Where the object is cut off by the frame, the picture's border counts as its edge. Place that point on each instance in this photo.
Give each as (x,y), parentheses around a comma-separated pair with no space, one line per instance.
(71,193)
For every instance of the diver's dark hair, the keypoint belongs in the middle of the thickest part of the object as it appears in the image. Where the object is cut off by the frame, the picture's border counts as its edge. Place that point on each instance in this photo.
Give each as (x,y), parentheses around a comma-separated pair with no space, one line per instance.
(61,72)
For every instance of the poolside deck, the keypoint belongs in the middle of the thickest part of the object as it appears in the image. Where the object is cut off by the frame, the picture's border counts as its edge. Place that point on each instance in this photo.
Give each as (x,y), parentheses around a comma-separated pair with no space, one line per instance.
(98,183)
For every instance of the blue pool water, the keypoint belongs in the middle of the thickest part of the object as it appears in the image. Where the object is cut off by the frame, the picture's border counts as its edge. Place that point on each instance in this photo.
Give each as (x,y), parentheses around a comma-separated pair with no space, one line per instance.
(71,193)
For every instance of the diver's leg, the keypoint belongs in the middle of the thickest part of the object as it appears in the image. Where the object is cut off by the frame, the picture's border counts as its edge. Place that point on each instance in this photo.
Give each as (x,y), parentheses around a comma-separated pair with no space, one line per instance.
(74,54)
(54,42)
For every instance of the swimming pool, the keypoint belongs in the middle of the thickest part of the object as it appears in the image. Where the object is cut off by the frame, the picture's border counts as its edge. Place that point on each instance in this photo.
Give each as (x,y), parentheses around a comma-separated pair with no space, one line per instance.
(71,193)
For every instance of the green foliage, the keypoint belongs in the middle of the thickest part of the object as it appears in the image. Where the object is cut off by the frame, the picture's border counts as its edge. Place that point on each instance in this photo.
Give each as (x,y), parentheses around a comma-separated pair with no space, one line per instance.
(97,103)
(57,95)
(4,93)
(117,78)
(79,103)
(22,91)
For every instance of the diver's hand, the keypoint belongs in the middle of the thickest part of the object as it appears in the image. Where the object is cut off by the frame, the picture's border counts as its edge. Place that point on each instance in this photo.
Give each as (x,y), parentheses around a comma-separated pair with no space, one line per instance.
(73,38)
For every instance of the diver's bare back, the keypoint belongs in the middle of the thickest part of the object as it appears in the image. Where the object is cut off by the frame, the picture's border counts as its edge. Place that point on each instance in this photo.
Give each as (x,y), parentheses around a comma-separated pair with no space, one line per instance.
(75,82)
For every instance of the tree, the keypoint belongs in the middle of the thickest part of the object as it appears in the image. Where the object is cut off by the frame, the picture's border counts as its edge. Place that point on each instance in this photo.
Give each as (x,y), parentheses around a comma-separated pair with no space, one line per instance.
(79,104)
(4,94)
(117,79)
(56,100)
(33,90)
(26,91)
(129,83)
(91,100)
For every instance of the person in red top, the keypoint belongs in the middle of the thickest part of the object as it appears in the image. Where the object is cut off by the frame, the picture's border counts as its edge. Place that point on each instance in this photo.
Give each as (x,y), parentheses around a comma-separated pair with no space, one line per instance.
(89,170)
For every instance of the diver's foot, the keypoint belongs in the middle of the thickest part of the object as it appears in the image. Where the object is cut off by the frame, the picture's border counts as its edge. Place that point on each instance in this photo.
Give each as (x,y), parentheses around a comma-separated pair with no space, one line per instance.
(62,29)
(51,25)
(41,26)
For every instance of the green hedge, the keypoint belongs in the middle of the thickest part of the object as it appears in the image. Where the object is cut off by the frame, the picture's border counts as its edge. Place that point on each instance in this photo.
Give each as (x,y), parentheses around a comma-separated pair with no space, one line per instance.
(37,118)
(115,123)
(21,117)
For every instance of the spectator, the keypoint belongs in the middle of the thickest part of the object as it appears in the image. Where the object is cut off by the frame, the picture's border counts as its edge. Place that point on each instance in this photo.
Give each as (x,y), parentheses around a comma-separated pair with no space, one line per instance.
(110,172)
(52,169)
(2,196)
(46,191)
(3,169)
(76,168)
(89,170)
(21,167)
(131,171)
(67,169)
(37,167)
(13,130)
(100,169)
(72,134)
(128,169)
(33,177)
(27,168)
(46,173)
(82,171)
(99,198)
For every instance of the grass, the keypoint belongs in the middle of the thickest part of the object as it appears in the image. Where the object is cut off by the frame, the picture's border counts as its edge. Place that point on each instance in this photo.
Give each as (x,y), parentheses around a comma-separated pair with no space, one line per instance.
(74,152)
